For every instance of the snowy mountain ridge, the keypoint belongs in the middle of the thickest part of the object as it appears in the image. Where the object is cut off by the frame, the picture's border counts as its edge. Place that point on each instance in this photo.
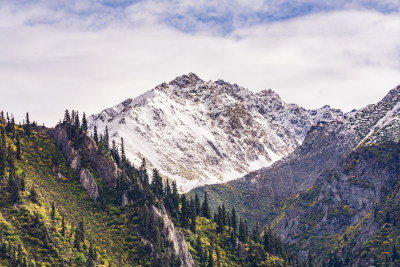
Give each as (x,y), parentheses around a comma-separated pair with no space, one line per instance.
(199,132)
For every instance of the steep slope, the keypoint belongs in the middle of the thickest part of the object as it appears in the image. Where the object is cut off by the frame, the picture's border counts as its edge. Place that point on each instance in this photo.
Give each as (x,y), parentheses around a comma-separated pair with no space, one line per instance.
(199,132)
(74,213)
(329,184)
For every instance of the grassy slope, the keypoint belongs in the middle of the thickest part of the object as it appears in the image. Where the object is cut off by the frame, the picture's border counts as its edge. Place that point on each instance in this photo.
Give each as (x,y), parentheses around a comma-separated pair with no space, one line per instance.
(105,228)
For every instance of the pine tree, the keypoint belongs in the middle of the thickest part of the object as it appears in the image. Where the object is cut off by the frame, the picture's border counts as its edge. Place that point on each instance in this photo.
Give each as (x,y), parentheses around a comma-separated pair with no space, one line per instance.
(67,118)
(27,125)
(2,154)
(167,190)
(77,122)
(12,125)
(77,243)
(123,156)
(210,258)
(268,239)
(145,222)
(223,211)
(22,183)
(184,211)
(234,220)
(53,211)
(18,143)
(92,253)
(156,183)
(199,249)
(10,158)
(205,209)
(143,174)
(81,232)
(175,195)
(106,140)
(33,195)
(218,220)
(197,204)
(84,123)
(246,230)
(242,231)
(193,225)
(95,135)
(14,187)
(114,152)
(256,234)
(63,226)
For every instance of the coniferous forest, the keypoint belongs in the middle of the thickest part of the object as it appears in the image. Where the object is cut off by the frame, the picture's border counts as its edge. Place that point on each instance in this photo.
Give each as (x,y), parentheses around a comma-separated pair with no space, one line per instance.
(47,217)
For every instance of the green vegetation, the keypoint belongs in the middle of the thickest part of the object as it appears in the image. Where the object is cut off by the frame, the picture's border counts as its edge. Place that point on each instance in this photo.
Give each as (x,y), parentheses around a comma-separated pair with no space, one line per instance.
(47,218)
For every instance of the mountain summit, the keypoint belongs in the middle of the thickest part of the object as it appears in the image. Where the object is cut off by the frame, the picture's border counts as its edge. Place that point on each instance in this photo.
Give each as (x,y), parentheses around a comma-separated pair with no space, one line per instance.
(200,132)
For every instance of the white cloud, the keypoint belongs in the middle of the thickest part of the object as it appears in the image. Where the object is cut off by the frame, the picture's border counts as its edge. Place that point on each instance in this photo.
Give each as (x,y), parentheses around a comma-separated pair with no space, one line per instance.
(347,59)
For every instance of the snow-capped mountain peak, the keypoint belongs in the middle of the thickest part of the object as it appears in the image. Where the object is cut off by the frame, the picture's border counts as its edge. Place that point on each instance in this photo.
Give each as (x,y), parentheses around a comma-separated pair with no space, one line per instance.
(199,132)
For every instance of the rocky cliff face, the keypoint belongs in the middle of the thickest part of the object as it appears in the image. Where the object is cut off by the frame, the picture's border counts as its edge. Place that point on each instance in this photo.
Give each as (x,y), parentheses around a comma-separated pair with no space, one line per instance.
(74,159)
(105,167)
(179,244)
(199,132)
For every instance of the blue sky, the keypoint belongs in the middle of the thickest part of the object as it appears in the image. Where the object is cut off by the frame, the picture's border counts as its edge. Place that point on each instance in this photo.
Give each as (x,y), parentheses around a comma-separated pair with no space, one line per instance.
(342,53)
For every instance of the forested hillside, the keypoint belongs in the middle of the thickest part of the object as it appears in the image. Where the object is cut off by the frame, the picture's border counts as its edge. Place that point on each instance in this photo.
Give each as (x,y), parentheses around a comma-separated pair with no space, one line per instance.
(67,199)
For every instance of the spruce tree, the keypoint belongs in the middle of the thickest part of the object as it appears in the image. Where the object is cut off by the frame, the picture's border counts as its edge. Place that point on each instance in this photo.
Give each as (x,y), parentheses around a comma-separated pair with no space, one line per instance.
(18,144)
(106,140)
(27,125)
(53,211)
(95,135)
(184,211)
(33,195)
(10,158)
(242,231)
(67,118)
(84,126)
(210,258)
(205,209)
(246,229)
(157,184)
(123,156)
(199,249)
(12,125)
(143,174)
(175,195)
(2,154)
(63,226)
(268,239)
(22,183)
(256,234)
(197,204)
(218,220)
(92,253)
(234,220)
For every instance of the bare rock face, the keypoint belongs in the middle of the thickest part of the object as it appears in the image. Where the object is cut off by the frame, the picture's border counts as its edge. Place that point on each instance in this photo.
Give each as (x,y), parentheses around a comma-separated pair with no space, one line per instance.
(75,161)
(105,167)
(199,132)
(178,242)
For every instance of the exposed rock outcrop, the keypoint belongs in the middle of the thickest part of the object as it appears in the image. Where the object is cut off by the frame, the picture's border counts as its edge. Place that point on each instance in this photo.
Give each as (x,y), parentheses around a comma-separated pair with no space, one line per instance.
(74,159)
(178,242)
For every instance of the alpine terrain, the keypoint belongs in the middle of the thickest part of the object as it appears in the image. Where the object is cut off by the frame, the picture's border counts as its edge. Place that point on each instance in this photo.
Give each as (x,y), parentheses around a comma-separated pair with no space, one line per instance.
(198,132)
(336,197)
